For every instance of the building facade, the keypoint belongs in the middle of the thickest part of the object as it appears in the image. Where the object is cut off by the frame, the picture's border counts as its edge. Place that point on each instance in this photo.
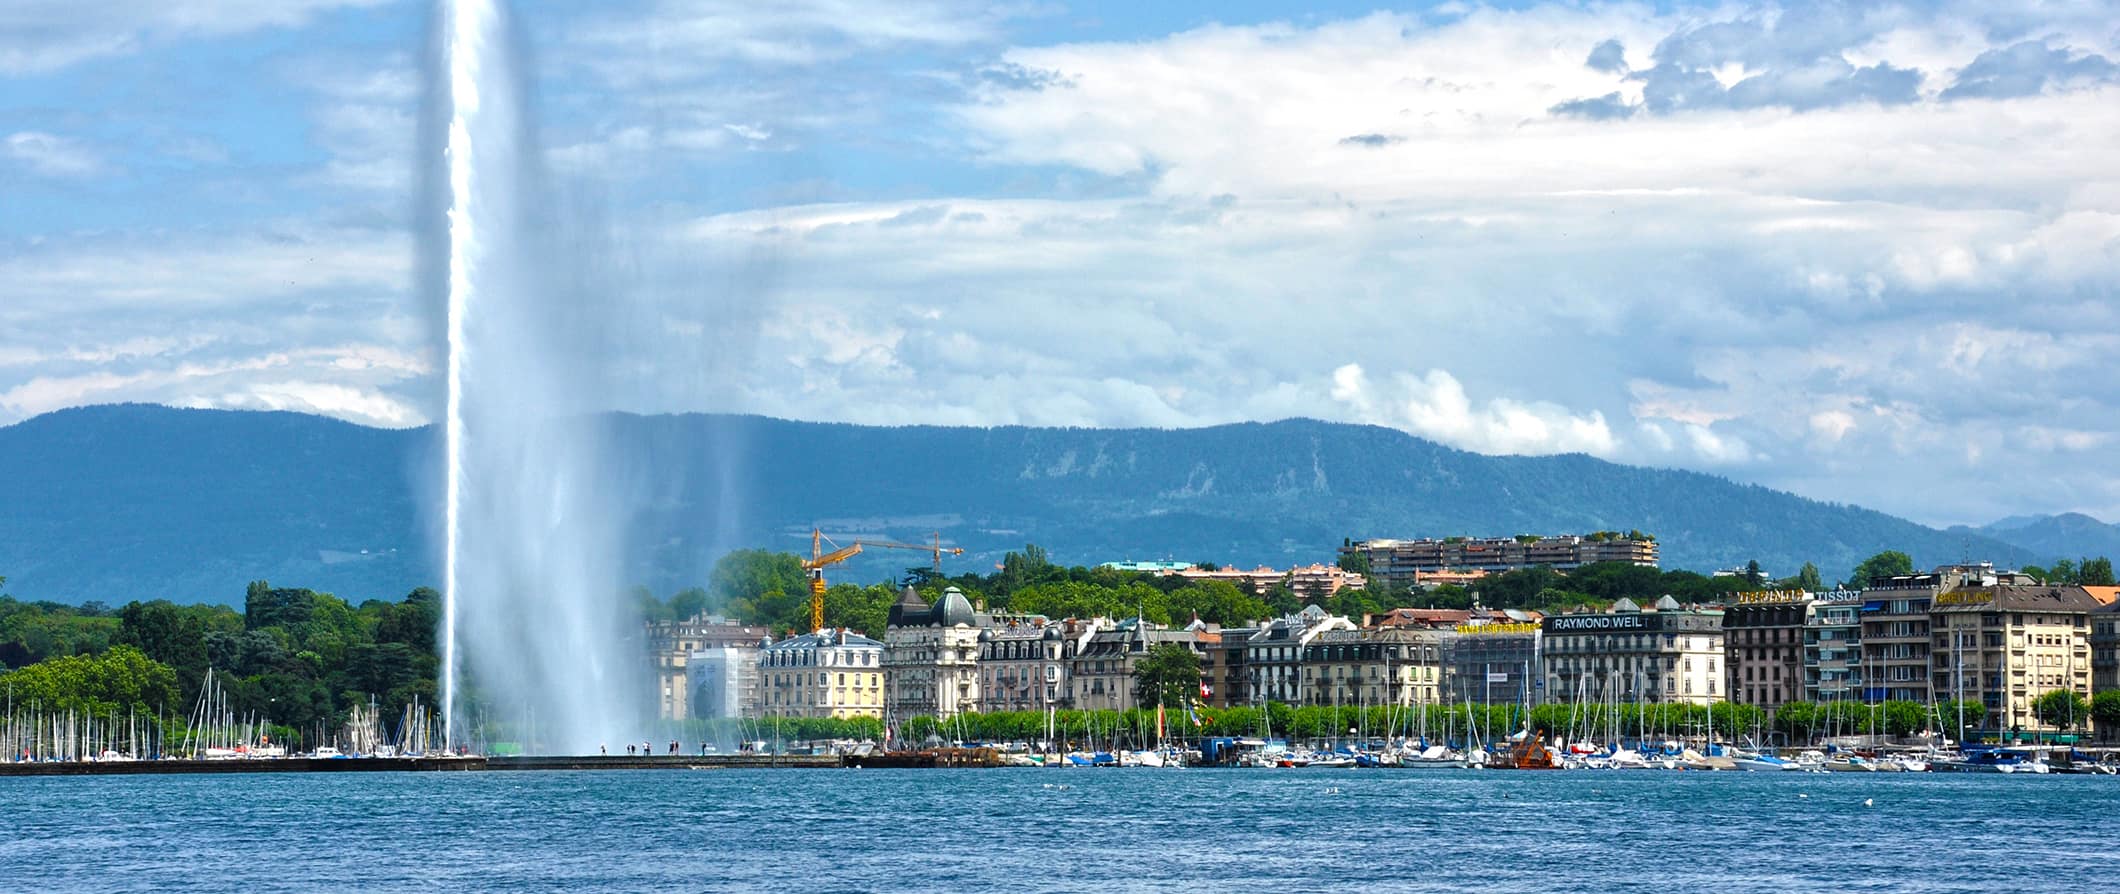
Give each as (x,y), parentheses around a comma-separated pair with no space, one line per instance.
(1225,668)
(1763,647)
(2006,645)
(829,673)
(1273,656)
(1370,667)
(931,657)
(1027,663)
(732,651)
(2105,648)
(1104,672)
(1832,647)
(1667,654)
(1494,662)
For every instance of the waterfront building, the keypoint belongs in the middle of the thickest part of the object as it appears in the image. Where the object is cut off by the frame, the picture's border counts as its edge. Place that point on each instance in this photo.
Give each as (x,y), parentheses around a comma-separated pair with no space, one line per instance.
(1895,627)
(828,673)
(1667,654)
(1273,655)
(2006,645)
(726,685)
(1763,647)
(1490,659)
(1403,562)
(1224,667)
(1026,663)
(1832,647)
(1104,671)
(931,656)
(1373,666)
(2105,647)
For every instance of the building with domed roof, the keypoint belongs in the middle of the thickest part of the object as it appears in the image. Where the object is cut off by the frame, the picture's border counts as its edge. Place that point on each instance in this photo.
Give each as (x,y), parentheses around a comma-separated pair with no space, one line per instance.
(931,656)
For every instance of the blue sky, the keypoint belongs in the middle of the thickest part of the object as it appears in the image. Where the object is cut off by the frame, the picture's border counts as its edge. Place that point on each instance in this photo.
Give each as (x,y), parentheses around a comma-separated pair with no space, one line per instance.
(1866,252)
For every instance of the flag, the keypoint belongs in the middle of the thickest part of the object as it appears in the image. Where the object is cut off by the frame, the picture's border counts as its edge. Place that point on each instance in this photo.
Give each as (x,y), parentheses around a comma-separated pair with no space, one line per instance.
(1205,690)
(1159,721)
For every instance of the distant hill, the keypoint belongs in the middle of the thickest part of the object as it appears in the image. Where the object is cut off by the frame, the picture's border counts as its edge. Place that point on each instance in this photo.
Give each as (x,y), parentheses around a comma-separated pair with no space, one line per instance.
(122,502)
(2070,535)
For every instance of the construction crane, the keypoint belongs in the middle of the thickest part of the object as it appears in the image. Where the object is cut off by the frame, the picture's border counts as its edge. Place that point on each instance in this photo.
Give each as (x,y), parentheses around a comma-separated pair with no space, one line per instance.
(814,565)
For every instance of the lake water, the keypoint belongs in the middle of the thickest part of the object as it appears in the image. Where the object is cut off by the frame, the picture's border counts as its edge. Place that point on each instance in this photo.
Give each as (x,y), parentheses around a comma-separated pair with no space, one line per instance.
(1056,830)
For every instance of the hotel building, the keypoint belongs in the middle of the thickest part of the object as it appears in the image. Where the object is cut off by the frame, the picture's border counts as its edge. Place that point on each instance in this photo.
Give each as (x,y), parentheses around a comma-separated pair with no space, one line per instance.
(1763,647)
(931,656)
(1666,654)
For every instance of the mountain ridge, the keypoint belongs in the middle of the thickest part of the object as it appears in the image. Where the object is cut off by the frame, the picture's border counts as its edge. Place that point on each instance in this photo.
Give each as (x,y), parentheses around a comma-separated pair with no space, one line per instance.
(119,502)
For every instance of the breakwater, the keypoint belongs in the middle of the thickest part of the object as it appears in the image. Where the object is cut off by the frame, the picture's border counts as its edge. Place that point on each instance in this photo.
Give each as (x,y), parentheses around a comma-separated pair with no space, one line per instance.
(472,763)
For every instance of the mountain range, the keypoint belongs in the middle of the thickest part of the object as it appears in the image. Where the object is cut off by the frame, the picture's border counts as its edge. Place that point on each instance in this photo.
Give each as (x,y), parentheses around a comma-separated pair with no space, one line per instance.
(115,503)
(2070,535)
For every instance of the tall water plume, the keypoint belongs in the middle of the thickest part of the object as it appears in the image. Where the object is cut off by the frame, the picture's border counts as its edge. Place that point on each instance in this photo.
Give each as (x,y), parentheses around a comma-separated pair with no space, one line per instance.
(533,633)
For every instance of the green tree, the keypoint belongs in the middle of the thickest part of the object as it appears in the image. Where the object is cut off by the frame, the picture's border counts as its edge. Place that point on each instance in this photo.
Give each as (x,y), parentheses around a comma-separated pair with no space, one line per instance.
(2063,572)
(2096,572)
(688,603)
(1890,563)
(121,679)
(1808,580)
(1753,575)
(752,574)
(1168,675)
(2061,709)
(1904,718)
(1356,561)
(2105,712)
(1797,719)
(1961,716)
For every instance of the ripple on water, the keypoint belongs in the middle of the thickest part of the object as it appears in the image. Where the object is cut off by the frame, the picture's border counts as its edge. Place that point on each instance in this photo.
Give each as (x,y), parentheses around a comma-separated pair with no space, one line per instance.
(1107,831)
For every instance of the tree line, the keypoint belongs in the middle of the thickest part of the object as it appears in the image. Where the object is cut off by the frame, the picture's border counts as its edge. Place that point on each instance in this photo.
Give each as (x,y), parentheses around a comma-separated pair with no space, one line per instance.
(294,657)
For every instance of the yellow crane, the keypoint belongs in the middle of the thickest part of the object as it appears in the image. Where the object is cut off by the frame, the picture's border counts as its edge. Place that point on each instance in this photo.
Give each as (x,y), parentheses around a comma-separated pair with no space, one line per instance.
(814,565)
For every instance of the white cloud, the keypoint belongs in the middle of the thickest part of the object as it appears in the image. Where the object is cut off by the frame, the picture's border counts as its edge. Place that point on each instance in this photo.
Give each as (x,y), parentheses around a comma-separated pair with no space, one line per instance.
(1434,405)
(43,35)
(51,155)
(1232,223)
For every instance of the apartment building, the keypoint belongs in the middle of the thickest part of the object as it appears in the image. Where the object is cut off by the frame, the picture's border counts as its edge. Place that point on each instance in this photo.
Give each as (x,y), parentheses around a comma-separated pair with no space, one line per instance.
(1403,562)
(1027,663)
(1374,666)
(1832,647)
(827,673)
(2006,645)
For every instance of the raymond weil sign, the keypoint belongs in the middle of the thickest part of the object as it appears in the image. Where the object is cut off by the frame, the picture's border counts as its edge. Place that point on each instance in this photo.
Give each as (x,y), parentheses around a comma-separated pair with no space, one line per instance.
(1601,623)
